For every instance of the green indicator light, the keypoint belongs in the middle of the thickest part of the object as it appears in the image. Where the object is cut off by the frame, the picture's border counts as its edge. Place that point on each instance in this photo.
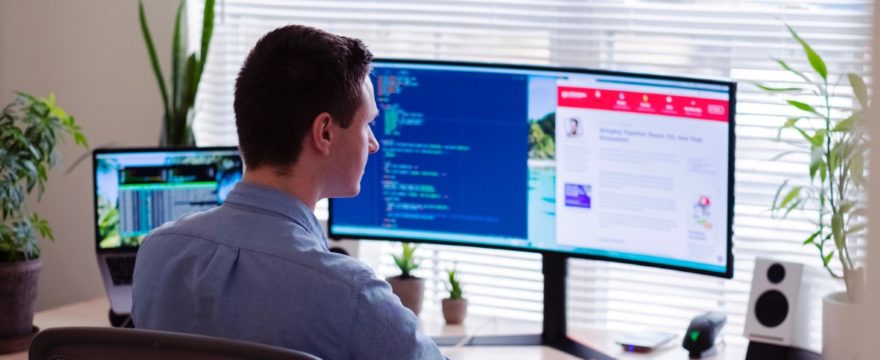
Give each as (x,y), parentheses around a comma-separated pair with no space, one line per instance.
(695,335)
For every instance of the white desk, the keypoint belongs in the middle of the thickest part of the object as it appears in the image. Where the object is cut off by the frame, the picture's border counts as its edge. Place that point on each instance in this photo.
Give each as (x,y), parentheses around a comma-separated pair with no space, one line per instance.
(94,313)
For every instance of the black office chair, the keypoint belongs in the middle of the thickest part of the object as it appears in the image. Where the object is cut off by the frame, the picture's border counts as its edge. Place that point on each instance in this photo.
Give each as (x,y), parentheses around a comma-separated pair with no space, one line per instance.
(85,343)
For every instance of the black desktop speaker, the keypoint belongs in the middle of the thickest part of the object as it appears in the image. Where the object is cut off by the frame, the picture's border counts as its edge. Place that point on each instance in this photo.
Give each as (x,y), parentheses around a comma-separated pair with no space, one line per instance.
(778,314)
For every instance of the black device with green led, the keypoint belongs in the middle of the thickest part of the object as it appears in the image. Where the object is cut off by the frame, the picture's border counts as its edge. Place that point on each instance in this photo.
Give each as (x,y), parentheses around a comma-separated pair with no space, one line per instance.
(643,342)
(699,339)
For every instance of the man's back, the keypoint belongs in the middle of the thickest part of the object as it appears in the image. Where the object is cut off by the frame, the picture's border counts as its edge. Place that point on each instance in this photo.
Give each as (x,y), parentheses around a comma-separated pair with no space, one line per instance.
(257,268)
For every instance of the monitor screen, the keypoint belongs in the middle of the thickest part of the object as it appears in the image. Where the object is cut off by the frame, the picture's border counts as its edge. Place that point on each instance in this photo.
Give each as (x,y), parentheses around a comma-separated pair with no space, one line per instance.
(137,190)
(606,165)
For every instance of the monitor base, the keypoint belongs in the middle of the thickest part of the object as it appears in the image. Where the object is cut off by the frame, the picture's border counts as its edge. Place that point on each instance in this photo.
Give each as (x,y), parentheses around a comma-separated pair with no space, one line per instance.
(566,345)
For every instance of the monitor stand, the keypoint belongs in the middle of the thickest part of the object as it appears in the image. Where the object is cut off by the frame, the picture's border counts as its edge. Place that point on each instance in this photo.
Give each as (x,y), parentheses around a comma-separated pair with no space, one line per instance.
(555,332)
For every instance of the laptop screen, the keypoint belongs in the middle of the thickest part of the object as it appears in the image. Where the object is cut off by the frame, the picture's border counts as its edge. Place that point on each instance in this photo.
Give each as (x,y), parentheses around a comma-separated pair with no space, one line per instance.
(137,190)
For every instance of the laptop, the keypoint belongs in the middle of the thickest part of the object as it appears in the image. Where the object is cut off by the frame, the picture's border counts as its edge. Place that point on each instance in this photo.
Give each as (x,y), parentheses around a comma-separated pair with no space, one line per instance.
(138,189)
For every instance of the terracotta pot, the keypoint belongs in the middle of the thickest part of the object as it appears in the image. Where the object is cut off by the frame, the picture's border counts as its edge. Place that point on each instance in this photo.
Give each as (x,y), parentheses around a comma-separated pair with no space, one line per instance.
(411,291)
(838,317)
(18,295)
(454,310)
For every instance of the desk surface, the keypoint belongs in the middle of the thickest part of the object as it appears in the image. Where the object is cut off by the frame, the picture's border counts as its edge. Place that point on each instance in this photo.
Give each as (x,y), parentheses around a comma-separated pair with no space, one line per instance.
(94,313)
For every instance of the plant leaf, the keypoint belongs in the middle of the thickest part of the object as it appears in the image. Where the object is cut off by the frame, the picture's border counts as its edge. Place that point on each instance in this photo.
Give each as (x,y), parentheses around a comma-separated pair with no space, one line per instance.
(837,229)
(846,206)
(859,89)
(776,89)
(818,139)
(81,140)
(812,237)
(817,166)
(834,155)
(793,71)
(846,124)
(789,123)
(154,61)
(178,59)
(791,195)
(794,204)
(207,32)
(861,212)
(804,107)
(856,228)
(827,258)
(815,60)
(778,192)
(190,83)
(803,133)
(857,168)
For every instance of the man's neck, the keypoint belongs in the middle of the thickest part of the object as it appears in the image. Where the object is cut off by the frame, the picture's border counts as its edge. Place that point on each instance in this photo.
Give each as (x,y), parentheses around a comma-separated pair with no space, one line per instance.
(299,185)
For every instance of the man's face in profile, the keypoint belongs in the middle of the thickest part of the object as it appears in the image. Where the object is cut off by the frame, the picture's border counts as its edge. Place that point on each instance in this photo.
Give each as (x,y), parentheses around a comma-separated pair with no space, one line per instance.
(356,142)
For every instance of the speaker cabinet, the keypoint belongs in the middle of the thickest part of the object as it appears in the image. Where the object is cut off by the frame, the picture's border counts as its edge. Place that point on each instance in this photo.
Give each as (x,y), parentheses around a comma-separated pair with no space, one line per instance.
(778,312)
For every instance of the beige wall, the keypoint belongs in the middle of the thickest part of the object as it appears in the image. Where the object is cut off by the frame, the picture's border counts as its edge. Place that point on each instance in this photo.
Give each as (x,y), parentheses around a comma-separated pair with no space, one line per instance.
(870,325)
(91,54)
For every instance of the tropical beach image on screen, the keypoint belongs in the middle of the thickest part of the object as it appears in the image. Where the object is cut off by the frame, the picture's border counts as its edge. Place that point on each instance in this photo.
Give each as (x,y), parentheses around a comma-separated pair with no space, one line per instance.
(542,159)
(542,134)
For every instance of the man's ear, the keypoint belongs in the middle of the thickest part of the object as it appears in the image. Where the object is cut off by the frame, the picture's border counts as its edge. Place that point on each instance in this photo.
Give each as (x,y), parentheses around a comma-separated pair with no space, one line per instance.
(322,132)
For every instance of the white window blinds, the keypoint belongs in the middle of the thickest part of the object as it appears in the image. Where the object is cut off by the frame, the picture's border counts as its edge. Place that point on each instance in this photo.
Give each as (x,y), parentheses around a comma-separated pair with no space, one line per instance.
(723,38)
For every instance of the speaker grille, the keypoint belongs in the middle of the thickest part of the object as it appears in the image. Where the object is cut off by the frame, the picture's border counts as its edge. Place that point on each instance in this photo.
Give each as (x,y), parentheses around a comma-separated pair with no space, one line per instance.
(776,273)
(771,309)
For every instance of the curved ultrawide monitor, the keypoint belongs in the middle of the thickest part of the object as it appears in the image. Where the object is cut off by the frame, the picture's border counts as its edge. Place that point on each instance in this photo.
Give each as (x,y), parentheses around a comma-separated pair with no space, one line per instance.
(625,167)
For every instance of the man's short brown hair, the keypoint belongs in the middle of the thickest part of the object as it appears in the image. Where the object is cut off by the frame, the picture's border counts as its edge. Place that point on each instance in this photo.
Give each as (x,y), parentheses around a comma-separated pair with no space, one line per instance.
(293,74)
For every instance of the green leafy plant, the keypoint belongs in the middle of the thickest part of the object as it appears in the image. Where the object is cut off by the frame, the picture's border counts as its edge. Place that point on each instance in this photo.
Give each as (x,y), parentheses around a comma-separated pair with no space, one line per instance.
(30,129)
(836,142)
(406,262)
(454,286)
(186,73)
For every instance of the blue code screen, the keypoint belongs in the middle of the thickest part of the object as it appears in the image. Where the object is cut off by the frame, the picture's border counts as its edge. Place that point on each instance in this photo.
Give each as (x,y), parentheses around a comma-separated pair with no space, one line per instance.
(453,156)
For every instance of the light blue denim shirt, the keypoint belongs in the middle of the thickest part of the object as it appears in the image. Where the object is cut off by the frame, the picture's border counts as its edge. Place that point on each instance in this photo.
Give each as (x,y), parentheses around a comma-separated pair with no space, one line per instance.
(257,268)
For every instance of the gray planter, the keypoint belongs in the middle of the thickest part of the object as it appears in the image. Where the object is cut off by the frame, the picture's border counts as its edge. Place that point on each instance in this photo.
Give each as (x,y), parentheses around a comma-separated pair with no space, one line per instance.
(411,291)
(454,310)
(18,295)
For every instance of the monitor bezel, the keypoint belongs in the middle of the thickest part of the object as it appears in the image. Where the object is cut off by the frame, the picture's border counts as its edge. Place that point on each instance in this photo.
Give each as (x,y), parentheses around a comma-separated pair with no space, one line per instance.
(729,83)
(134,150)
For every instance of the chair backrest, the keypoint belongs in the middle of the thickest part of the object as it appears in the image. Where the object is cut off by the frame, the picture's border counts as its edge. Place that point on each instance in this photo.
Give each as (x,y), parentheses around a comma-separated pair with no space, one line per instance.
(85,343)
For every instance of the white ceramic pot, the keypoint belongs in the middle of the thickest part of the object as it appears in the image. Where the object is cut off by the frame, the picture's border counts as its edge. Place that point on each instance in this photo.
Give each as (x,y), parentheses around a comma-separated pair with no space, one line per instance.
(839,315)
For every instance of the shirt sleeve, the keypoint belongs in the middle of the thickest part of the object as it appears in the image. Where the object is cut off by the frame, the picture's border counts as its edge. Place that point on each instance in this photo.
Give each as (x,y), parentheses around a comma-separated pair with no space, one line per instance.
(384,329)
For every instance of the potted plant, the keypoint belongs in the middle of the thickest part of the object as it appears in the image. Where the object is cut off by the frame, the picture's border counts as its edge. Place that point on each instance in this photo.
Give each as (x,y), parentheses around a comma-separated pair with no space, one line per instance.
(455,306)
(409,288)
(186,73)
(29,131)
(834,197)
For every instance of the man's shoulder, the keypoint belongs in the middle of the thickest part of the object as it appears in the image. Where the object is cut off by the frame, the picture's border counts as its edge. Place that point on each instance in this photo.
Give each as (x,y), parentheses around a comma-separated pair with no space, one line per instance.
(345,269)
(190,224)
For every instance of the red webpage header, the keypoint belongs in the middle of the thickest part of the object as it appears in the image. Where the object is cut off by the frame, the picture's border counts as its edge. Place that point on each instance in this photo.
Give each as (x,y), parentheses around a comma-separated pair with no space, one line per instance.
(644,103)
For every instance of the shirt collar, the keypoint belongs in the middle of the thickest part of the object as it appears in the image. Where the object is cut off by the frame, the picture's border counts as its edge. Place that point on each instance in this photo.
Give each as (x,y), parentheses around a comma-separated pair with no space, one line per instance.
(274,200)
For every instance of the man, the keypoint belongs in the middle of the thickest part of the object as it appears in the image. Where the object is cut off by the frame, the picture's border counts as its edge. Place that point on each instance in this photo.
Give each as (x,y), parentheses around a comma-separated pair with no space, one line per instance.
(257,268)
(574,127)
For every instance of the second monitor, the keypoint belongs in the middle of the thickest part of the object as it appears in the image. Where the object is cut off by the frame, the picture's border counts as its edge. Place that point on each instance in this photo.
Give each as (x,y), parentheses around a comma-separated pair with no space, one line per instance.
(616,166)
